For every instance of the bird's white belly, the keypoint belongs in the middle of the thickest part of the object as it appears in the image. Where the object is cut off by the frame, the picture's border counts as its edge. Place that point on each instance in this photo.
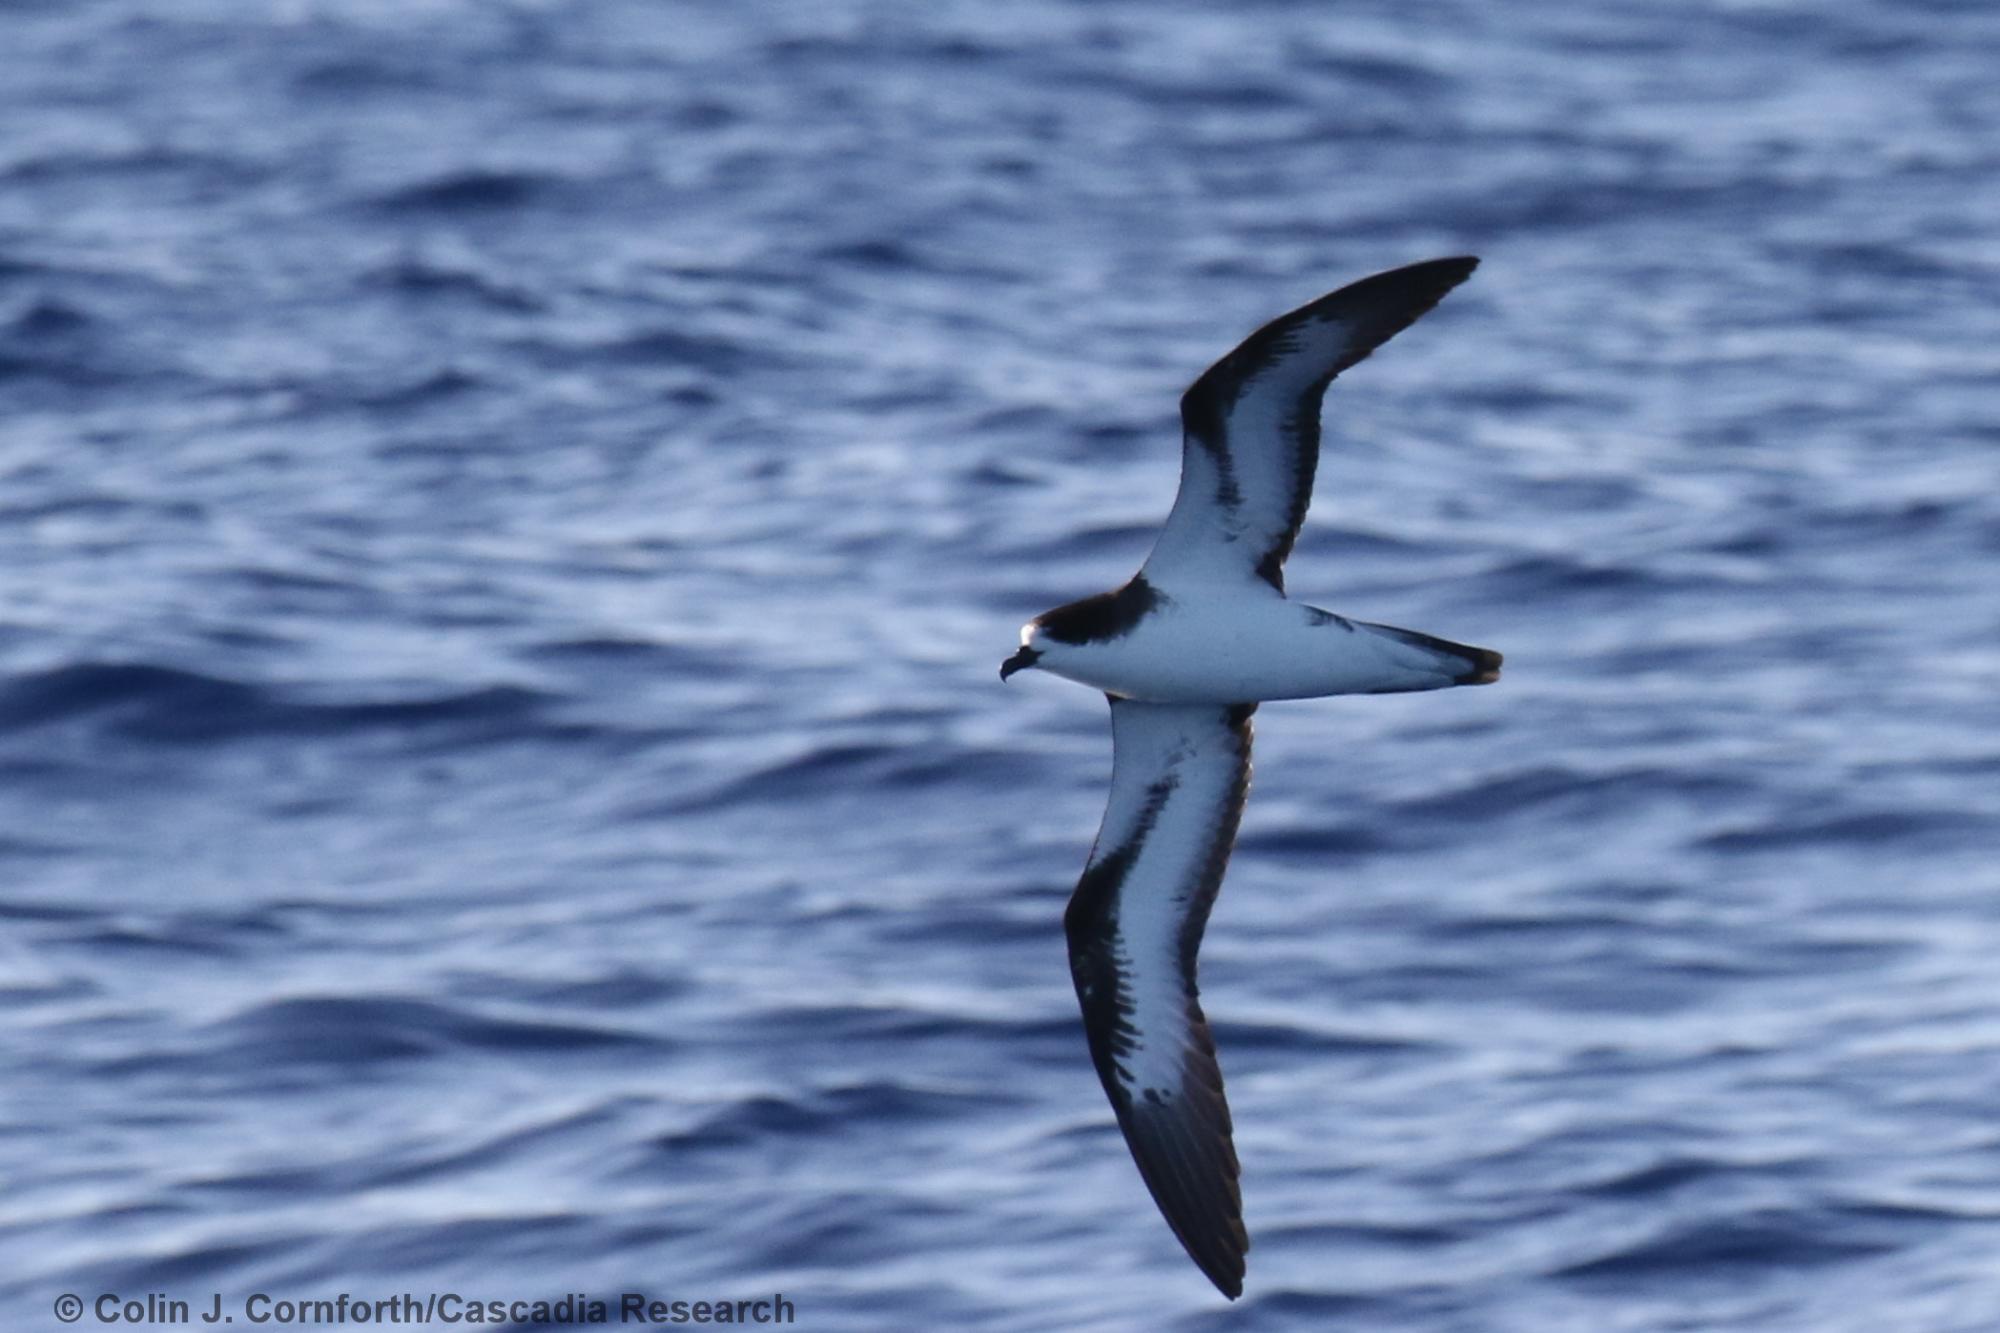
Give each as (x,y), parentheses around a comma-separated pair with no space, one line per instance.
(1258,649)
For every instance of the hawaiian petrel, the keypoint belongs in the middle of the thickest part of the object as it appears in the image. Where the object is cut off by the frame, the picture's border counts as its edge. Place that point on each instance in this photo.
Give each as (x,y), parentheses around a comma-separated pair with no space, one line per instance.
(1185,652)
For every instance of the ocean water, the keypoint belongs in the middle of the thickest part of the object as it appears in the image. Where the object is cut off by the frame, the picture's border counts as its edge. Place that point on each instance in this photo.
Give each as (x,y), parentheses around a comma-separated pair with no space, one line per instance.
(509,515)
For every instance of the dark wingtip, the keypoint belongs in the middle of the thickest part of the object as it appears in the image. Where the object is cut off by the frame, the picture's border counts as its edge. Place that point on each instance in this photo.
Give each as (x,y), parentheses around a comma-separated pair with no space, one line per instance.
(1378,306)
(1451,270)
(1219,1254)
(1227,1280)
(1189,1165)
(1395,299)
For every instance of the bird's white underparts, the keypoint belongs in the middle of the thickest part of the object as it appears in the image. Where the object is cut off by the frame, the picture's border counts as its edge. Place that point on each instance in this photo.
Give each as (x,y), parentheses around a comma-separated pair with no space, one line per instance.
(1185,652)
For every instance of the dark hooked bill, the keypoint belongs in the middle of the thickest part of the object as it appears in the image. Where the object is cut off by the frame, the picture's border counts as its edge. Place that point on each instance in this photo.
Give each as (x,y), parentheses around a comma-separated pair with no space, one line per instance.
(1019,661)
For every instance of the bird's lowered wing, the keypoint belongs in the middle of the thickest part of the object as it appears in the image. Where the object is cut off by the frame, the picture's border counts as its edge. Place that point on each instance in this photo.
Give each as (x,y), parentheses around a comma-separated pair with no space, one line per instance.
(1179,776)
(1250,425)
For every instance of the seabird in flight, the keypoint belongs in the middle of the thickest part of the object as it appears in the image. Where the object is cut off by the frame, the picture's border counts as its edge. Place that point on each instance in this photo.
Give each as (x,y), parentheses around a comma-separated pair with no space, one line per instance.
(1185,652)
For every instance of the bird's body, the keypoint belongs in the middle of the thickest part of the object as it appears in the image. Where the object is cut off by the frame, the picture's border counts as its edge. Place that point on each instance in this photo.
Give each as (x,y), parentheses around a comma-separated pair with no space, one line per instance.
(1238,642)
(1185,651)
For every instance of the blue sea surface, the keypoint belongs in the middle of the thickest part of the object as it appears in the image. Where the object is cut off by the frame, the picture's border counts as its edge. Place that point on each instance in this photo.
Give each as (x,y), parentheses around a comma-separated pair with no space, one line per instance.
(509,515)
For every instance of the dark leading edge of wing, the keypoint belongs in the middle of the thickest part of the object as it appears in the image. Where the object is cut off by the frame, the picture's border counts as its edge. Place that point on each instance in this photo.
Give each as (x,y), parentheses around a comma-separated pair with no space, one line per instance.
(1251,421)
(1180,773)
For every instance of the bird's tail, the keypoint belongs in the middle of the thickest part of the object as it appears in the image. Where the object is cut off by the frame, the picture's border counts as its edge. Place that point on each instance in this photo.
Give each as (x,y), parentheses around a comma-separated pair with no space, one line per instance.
(1435,663)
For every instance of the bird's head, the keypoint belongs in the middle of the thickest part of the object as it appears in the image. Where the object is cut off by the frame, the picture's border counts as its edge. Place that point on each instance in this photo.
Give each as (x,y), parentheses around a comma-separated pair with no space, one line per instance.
(1032,648)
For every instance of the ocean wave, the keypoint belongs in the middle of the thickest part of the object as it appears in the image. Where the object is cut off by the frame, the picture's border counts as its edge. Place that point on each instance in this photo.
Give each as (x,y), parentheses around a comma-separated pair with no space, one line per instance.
(143,701)
(866,768)
(347,1031)
(1930,827)
(1715,1246)
(470,191)
(854,1109)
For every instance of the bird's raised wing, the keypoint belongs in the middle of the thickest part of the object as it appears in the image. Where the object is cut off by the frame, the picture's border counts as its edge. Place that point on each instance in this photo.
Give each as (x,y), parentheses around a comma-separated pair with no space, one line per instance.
(1179,775)
(1250,425)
